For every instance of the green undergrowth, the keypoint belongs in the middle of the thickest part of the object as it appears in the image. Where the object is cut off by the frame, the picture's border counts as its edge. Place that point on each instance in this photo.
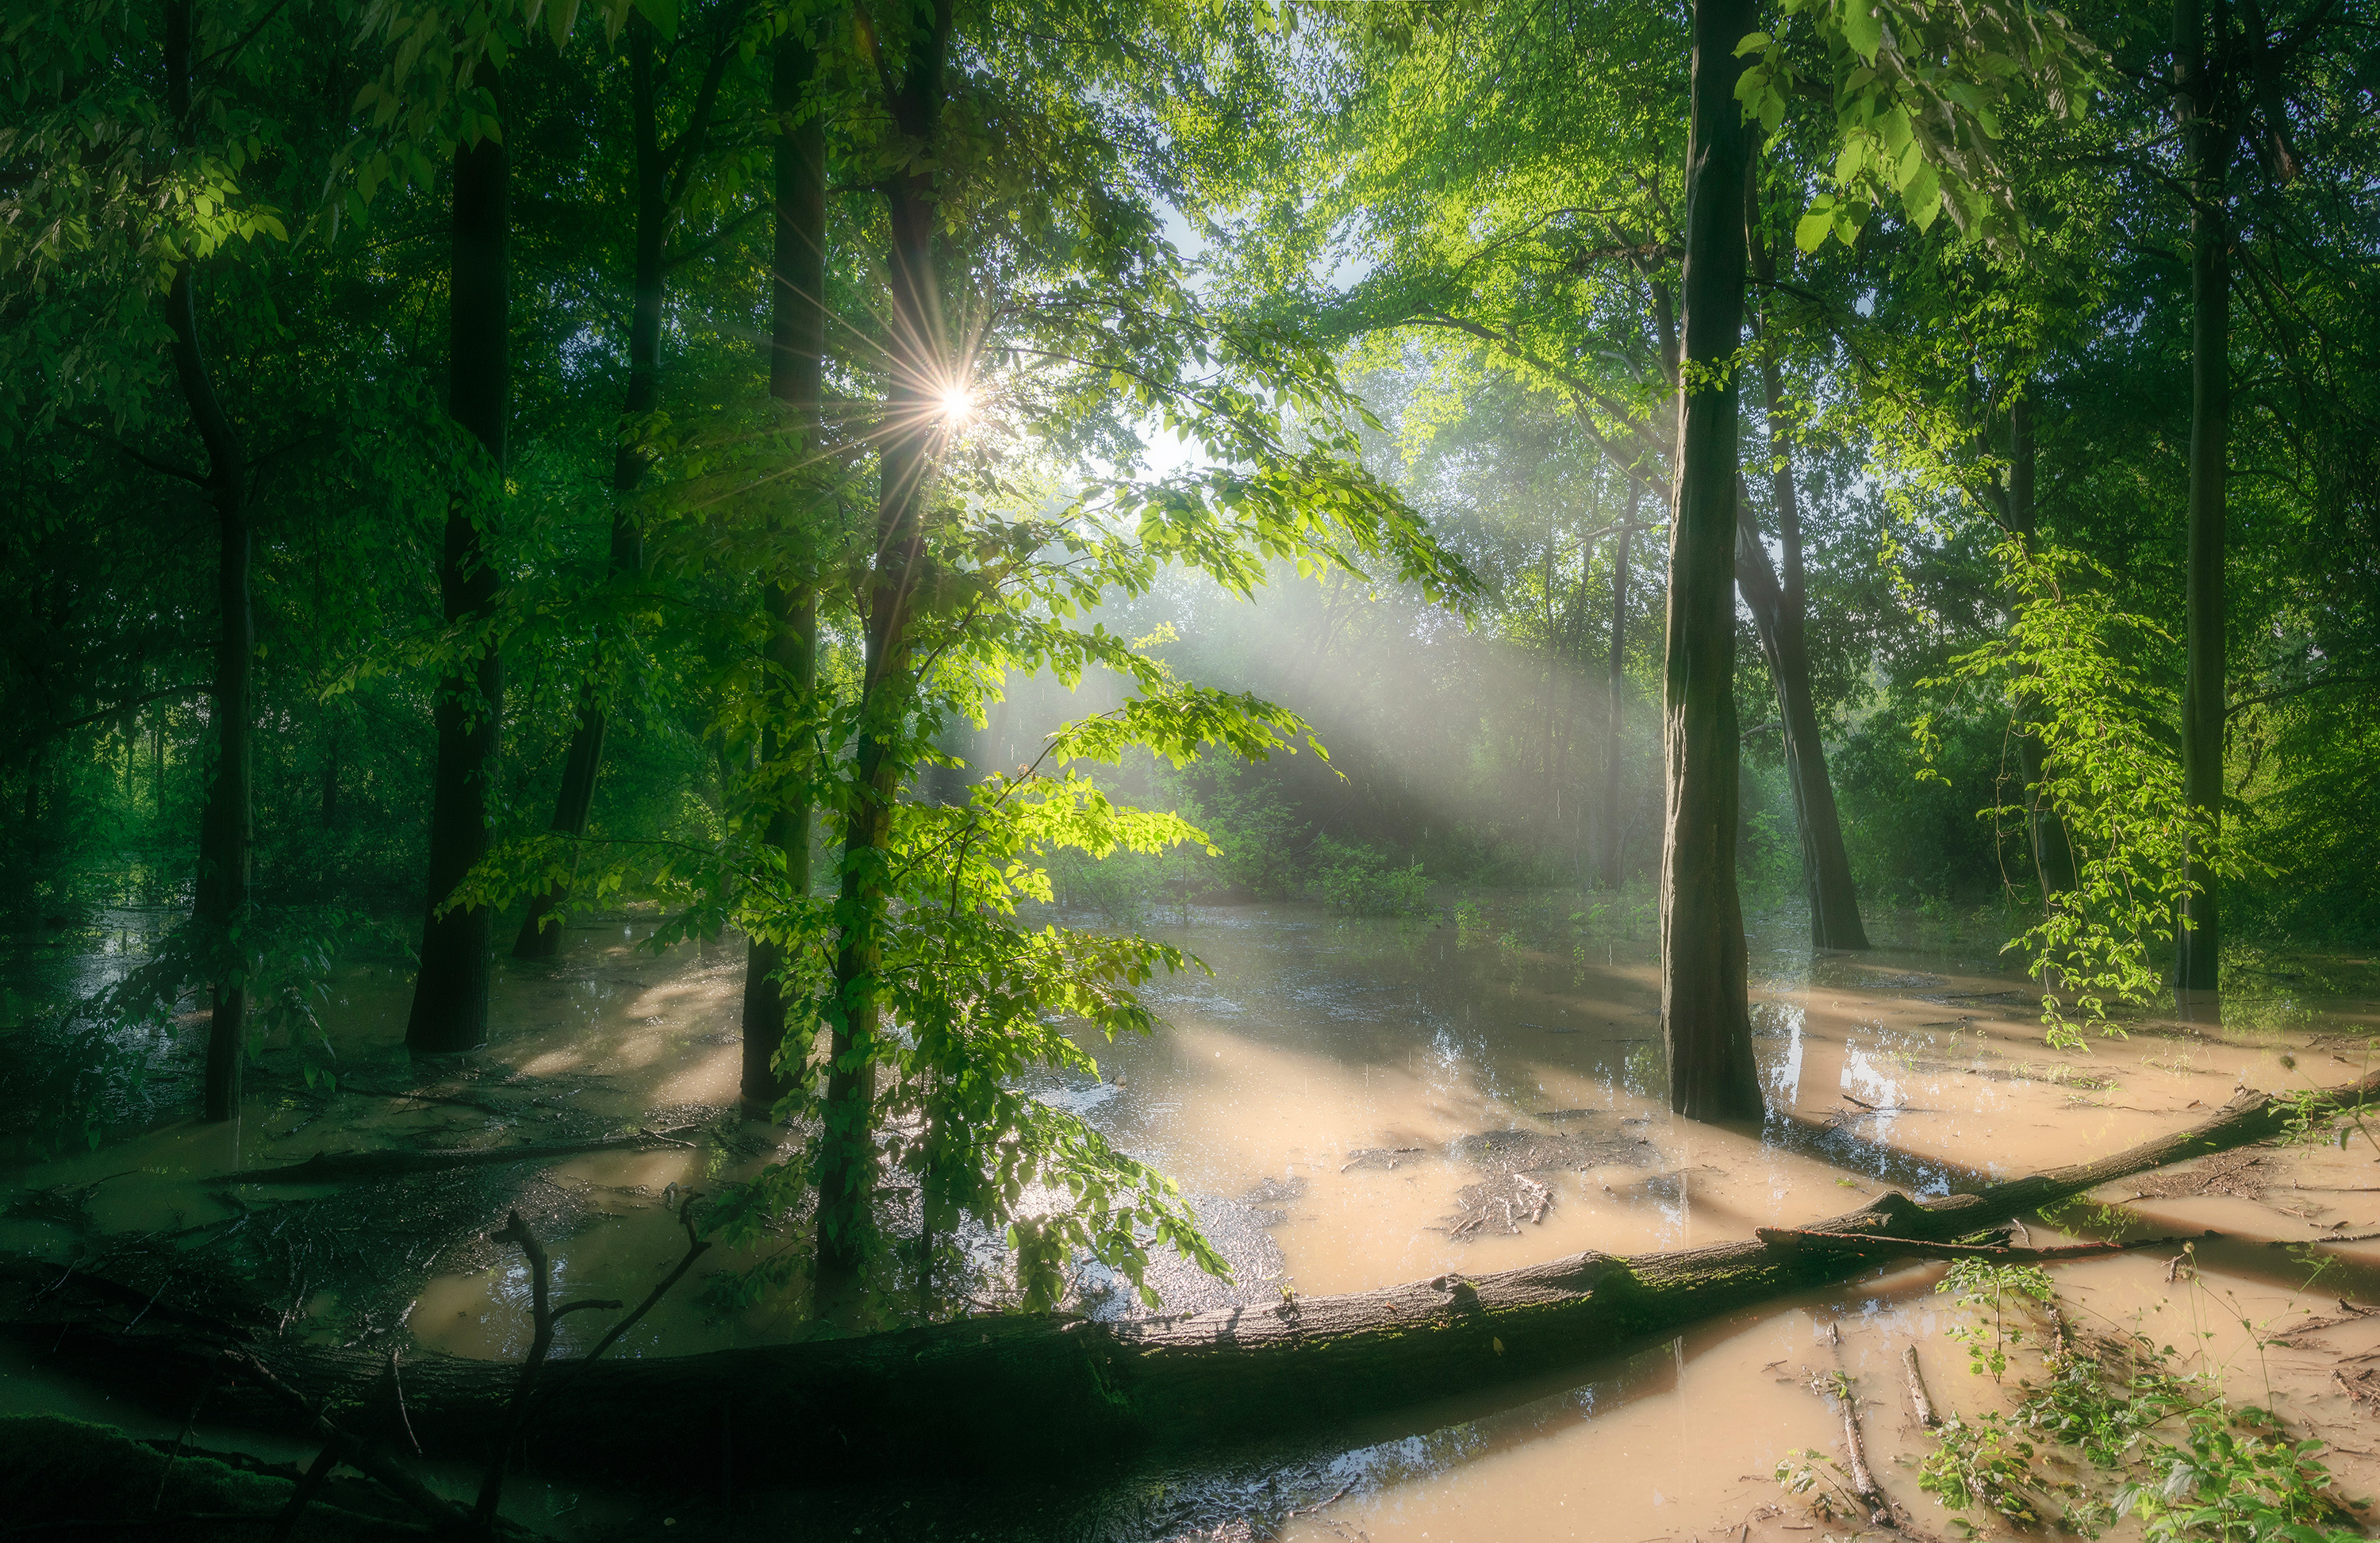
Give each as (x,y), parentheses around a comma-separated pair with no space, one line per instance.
(2098,1423)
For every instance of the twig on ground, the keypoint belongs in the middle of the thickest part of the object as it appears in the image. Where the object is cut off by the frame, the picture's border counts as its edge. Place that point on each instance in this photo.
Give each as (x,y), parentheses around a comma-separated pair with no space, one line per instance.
(1855,1452)
(1923,1404)
(1319,1505)
(366,1456)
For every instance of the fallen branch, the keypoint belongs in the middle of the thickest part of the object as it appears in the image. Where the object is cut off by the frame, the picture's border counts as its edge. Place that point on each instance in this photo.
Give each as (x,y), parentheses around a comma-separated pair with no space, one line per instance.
(396,1162)
(1918,1399)
(824,1410)
(1838,1388)
(1883,1245)
(543,1320)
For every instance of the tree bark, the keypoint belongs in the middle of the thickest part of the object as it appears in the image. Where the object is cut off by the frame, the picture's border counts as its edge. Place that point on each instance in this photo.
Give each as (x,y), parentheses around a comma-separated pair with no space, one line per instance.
(796,365)
(821,1411)
(1777,618)
(1782,625)
(1616,657)
(2208,140)
(450,994)
(1706,1018)
(919,359)
(221,897)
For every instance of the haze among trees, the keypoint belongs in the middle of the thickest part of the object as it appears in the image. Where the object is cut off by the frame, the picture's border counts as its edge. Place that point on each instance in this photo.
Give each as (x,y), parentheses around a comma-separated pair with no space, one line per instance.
(909,494)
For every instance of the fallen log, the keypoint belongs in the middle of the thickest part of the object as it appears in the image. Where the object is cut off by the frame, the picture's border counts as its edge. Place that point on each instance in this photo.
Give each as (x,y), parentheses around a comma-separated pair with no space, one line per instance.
(1884,1246)
(985,1393)
(396,1162)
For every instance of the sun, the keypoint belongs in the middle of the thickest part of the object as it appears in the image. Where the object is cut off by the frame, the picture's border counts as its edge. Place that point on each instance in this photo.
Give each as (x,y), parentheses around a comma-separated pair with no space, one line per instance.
(957,402)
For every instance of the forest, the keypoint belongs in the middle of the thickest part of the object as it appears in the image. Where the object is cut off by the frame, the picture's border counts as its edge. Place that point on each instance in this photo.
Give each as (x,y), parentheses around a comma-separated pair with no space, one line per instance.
(1195,769)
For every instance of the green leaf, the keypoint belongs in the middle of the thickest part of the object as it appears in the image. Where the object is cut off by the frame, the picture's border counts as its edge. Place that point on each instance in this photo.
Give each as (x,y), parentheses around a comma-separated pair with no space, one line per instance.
(1752,42)
(1811,233)
(1863,28)
(1895,128)
(1922,196)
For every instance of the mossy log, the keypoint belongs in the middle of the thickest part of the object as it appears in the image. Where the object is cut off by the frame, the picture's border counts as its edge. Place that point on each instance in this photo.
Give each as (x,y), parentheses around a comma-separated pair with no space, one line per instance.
(991,1393)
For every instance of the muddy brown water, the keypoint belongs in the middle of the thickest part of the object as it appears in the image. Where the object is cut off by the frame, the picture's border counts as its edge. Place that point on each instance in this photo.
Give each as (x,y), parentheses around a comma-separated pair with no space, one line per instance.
(1357,1103)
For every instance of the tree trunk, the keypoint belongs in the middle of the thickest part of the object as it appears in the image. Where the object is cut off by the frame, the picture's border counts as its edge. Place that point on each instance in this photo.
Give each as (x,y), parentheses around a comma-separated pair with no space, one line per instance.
(450,995)
(1617,702)
(848,1150)
(2052,853)
(797,363)
(1783,624)
(2208,138)
(540,931)
(220,901)
(1706,1021)
(820,1412)
(1777,617)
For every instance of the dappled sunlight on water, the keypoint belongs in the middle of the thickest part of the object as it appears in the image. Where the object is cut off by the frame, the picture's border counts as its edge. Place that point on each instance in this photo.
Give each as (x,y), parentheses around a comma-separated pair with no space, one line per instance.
(1354,1103)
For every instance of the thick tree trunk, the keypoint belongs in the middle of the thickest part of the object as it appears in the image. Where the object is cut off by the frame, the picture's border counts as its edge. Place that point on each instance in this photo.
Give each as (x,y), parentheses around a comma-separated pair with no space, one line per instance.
(450,995)
(1707,1022)
(1616,659)
(848,1148)
(797,363)
(221,897)
(825,1411)
(2052,853)
(2208,138)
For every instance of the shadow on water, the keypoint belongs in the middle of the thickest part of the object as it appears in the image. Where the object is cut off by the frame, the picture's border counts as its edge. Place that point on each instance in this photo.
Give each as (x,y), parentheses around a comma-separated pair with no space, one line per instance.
(1355,1103)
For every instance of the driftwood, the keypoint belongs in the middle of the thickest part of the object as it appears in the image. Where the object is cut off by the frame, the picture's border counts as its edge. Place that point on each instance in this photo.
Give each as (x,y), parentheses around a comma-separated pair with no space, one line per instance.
(988,1392)
(1917,1398)
(397,1162)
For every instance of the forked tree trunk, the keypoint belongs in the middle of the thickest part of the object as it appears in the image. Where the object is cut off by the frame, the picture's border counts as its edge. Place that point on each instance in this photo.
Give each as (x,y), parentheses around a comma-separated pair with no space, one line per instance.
(450,994)
(1777,618)
(221,897)
(797,363)
(990,1394)
(1706,1018)
(2208,138)
(847,1169)
(1779,615)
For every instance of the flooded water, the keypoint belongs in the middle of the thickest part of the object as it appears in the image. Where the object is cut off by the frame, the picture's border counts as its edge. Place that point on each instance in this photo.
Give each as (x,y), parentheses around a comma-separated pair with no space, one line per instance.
(1357,1103)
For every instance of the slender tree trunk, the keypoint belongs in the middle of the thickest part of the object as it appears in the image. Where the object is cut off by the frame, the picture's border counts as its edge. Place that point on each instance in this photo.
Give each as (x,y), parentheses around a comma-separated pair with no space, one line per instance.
(847,1152)
(450,995)
(797,361)
(1706,1017)
(2052,853)
(541,932)
(1617,702)
(2208,139)
(222,897)
(1777,618)
(1783,624)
